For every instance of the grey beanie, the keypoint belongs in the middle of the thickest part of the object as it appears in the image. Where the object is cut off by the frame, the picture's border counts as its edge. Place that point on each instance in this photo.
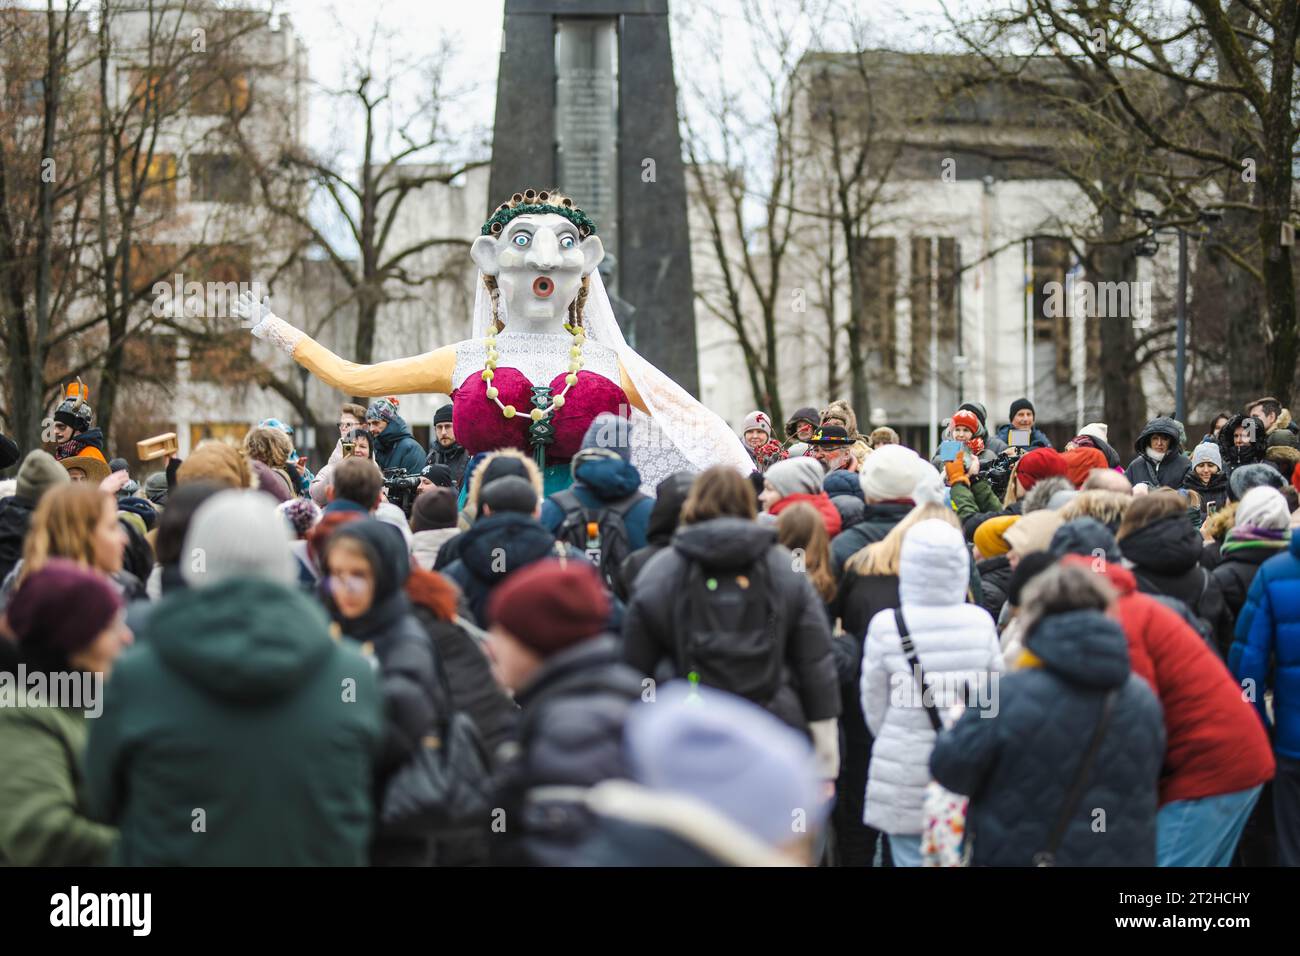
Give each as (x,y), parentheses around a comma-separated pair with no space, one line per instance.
(38,473)
(237,534)
(1207,451)
(155,488)
(728,754)
(608,433)
(1245,477)
(795,476)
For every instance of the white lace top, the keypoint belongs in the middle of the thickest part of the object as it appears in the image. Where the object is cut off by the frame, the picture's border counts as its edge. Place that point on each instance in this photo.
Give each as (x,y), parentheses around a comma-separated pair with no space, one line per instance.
(539,356)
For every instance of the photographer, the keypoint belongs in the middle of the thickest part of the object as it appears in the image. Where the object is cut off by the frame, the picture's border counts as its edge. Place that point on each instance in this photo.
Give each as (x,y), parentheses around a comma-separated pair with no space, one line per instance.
(356,443)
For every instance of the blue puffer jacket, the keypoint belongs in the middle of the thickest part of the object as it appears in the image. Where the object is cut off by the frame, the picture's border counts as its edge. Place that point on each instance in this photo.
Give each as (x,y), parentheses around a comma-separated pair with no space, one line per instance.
(1268,638)
(599,482)
(1017,762)
(396,448)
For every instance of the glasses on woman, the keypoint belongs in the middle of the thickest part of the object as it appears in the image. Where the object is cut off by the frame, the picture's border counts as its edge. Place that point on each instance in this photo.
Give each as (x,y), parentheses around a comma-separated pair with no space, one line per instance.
(346,426)
(353,583)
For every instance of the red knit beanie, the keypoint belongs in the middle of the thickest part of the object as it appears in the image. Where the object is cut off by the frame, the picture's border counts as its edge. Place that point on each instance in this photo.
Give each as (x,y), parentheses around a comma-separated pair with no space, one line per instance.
(1039,464)
(968,419)
(550,605)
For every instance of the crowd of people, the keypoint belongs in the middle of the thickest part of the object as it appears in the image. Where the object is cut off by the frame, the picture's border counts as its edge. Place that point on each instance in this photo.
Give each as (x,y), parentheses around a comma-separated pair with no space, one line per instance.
(991,653)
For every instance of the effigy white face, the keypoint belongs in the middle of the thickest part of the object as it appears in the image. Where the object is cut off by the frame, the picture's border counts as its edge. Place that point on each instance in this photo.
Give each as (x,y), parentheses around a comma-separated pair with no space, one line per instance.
(539,262)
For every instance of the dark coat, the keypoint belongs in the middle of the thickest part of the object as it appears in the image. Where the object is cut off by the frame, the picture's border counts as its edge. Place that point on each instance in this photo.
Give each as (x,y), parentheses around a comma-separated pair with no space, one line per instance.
(877,521)
(570,735)
(231,702)
(1017,766)
(1233,456)
(1037,438)
(995,578)
(1236,571)
(498,545)
(650,632)
(396,448)
(1171,470)
(670,495)
(15,519)
(1166,557)
(845,491)
(454,457)
(9,453)
(603,482)
(1267,648)
(1216,490)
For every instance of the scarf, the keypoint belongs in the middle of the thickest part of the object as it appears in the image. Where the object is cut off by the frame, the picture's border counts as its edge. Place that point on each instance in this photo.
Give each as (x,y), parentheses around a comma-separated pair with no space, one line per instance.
(1242,537)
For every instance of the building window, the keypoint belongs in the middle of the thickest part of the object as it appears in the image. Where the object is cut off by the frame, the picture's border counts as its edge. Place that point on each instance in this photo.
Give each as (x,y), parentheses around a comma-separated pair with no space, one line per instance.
(217,92)
(156,178)
(878,273)
(151,358)
(153,91)
(219,178)
(1051,262)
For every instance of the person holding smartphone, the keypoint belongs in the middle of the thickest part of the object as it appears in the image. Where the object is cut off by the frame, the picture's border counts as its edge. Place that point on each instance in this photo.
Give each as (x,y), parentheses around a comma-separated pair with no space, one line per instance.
(1207,478)
(1019,433)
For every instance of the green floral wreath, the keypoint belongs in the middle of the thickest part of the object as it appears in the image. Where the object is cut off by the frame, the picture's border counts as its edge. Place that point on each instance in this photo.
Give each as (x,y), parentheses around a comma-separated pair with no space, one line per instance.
(574,215)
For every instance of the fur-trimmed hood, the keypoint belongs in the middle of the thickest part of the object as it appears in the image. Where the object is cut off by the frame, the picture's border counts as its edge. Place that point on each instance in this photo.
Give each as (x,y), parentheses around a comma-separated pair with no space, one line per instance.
(689,819)
(840,410)
(476,479)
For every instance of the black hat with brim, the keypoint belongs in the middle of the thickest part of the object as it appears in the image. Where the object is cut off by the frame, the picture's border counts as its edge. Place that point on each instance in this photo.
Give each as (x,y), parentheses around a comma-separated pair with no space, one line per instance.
(831,436)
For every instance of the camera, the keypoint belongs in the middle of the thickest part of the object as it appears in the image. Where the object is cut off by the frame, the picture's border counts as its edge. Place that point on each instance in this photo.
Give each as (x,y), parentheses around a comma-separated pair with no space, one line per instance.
(998,474)
(401,488)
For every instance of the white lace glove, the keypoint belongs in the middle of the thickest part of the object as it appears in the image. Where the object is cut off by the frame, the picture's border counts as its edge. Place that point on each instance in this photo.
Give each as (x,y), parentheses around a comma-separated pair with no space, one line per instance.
(264,323)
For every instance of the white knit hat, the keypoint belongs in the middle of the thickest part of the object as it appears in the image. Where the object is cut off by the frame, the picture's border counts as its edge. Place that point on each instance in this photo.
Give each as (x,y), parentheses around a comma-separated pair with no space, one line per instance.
(757,420)
(1264,508)
(1096,430)
(237,534)
(892,472)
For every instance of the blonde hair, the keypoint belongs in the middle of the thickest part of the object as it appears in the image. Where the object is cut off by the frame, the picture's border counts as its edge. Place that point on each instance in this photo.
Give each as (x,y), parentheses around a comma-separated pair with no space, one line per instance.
(800,527)
(882,556)
(1013,493)
(63,526)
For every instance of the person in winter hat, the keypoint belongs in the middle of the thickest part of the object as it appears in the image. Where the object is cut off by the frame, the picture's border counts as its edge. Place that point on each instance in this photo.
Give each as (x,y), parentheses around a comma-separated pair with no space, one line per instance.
(832,446)
(1261,530)
(1022,418)
(715,781)
(1243,441)
(970,494)
(1160,461)
(1207,478)
(839,412)
(433,521)
(1242,479)
(798,480)
(446,450)
(549,639)
(1032,467)
(956,645)
(394,445)
(1096,435)
(800,426)
(1283,452)
(71,432)
(229,702)
(1265,656)
(38,473)
(44,816)
(993,446)
(756,430)
(1018,764)
(884,435)
(888,479)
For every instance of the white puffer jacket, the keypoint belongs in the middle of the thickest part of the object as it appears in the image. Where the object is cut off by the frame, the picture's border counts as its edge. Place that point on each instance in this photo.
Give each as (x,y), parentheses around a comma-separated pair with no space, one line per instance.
(956,644)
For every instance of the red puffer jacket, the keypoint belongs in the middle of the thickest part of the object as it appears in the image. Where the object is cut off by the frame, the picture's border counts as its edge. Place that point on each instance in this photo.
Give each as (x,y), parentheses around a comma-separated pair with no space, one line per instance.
(821,501)
(1215,742)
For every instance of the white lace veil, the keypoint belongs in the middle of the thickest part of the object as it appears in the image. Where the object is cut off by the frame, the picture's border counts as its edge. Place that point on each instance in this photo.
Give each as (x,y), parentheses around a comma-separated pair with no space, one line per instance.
(680,434)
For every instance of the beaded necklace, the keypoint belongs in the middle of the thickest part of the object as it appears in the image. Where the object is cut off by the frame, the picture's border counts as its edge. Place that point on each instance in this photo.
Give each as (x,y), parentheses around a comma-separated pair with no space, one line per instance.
(541,432)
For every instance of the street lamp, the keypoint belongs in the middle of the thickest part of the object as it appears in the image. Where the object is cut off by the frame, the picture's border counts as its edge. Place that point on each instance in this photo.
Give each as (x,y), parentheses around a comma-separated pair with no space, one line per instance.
(1147,246)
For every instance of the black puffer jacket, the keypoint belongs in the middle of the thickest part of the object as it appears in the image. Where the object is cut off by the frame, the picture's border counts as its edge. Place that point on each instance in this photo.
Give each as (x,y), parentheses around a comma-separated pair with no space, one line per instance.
(995,577)
(1235,456)
(498,545)
(570,735)
(651,635)
(409,678)
(1018,765)
(1170,471)
(670,495)
(1236,571)
(877,521)
(1166,559)
(15,519)
(1215,491)
(455,457)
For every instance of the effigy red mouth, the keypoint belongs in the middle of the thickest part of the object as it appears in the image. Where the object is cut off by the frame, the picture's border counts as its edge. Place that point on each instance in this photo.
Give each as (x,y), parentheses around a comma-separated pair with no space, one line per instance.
(543,286)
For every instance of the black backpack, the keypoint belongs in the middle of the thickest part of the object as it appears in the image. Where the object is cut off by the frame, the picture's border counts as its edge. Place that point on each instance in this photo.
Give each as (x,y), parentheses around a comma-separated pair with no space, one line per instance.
(726,630)
(600,533)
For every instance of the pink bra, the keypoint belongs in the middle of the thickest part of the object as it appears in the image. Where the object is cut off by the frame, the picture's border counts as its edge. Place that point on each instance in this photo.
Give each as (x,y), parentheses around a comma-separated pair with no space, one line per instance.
(480,426)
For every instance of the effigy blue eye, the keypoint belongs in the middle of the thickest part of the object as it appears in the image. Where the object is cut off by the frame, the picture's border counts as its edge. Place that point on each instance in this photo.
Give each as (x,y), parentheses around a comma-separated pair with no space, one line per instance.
(521,239)
(566,242)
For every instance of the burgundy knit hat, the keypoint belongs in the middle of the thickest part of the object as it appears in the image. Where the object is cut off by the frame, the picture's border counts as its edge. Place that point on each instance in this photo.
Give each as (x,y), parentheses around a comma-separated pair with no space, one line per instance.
(549,606)
(1039,464)
(62,607)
